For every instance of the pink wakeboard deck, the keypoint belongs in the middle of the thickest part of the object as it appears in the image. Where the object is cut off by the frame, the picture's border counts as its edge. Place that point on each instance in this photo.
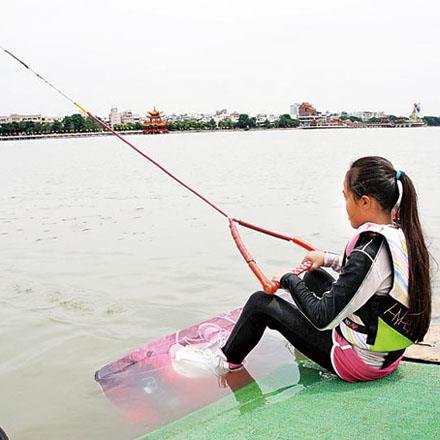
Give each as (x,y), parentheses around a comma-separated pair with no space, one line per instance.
(152,389)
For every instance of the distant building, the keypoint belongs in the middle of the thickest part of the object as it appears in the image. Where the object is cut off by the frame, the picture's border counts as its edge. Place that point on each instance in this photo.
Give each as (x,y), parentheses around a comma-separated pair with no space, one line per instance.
(29,118)
(115,117)
(155,124)
(221,115)
(366,115)
(414,120)
(306,109)
(261,118)
(128,117)
(307,114)
(294,110)
(197,116)
(415,114)
(23,118)
(207,117)
(234,116)
(51,119)
(171,118)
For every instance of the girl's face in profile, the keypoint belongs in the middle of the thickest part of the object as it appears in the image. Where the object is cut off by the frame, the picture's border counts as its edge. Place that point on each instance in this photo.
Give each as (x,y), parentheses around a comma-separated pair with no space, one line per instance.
(353,207)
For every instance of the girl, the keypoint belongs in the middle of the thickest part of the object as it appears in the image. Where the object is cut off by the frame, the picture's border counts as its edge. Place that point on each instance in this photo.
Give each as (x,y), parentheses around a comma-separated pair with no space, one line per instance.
(359,325)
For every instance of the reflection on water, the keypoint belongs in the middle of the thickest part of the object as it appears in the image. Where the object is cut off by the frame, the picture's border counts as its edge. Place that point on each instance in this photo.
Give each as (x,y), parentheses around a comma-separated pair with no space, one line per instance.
(249,396)
(101,253)
(280,385)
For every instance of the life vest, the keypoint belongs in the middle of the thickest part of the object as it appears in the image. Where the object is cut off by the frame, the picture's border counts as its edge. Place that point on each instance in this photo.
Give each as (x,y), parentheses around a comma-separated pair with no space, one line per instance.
(381,324)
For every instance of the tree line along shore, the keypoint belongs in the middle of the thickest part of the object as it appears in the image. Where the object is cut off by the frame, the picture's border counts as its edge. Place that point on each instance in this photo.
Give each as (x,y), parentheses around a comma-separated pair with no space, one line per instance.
(76,123)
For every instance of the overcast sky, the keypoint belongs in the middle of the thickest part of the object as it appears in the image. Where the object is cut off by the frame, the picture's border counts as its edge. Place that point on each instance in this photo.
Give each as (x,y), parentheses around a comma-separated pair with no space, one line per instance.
(199,56)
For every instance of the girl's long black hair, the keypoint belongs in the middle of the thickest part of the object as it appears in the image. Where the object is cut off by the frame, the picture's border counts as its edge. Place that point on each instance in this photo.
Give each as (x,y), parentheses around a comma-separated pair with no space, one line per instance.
(376,177)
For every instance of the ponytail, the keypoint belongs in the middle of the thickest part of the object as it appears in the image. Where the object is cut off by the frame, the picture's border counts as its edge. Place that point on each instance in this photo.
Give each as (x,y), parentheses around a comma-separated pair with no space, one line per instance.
(419,283)
(376,177)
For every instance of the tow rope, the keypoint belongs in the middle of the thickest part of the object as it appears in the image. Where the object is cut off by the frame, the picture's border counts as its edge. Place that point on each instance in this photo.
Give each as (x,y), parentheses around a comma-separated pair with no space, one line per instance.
(268,286)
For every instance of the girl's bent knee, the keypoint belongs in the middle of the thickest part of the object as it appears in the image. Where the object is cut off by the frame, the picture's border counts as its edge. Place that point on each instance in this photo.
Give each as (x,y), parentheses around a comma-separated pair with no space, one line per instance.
(257,296)
(256,300)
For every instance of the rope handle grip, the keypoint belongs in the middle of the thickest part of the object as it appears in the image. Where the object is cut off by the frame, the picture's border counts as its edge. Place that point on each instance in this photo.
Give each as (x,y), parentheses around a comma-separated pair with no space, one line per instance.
(275,285)
(269,286)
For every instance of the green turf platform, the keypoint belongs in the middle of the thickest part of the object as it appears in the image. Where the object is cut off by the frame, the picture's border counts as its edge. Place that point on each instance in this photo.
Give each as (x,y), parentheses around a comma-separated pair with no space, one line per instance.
(405,405)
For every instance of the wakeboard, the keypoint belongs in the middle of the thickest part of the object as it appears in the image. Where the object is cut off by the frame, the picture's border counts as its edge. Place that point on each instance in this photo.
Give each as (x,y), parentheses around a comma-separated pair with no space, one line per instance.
(150,388)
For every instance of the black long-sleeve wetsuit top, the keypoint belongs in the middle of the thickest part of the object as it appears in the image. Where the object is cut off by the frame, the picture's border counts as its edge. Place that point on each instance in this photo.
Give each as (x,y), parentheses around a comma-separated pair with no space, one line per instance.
(366,272)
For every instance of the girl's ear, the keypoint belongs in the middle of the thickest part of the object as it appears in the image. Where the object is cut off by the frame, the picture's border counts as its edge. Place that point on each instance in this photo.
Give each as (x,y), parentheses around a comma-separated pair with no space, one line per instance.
(365,202)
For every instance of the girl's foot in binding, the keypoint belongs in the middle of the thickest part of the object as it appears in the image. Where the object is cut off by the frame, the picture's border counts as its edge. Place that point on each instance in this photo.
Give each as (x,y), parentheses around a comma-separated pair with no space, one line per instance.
(205,359)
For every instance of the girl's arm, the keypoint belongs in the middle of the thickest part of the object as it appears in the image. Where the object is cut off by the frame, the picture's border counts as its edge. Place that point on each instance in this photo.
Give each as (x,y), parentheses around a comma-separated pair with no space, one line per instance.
(358,281)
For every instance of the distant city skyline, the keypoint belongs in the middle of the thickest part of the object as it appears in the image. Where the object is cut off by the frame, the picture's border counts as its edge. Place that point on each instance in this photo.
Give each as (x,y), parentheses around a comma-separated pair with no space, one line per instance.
(247,56)
(128,113)
(302,115)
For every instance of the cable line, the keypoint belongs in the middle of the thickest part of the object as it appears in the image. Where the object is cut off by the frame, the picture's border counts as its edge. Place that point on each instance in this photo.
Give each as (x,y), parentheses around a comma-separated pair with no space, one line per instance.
(268,286)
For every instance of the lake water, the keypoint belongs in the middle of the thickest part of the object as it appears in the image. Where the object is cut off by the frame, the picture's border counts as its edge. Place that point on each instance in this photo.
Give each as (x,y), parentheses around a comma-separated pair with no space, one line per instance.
(100,252)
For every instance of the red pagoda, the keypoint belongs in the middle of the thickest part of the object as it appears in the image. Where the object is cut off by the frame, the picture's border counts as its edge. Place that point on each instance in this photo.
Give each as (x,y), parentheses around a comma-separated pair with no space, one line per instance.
(155,123)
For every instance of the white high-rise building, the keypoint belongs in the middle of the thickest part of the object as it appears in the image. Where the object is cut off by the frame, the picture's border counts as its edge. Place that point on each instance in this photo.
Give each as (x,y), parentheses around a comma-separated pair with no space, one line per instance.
(294,110)
(114,117)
